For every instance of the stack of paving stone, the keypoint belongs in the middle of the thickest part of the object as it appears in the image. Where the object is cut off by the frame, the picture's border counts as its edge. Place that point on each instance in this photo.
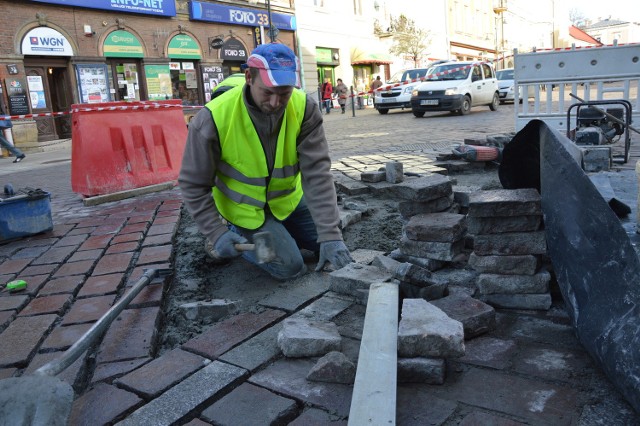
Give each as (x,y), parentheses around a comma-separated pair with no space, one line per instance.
(427,336)
(432,240)
(508,245)
(431,192)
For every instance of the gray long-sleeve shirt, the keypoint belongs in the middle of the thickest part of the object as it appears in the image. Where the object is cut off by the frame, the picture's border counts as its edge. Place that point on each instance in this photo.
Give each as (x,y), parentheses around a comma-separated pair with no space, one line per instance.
(202,154)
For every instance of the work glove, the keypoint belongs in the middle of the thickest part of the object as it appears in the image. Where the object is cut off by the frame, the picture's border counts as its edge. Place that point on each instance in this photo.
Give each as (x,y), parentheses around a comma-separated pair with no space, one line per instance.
(224,249)
(334,252)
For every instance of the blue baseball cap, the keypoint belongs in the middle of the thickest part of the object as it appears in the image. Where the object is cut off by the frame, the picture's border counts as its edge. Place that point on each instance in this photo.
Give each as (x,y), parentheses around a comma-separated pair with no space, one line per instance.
(278,65)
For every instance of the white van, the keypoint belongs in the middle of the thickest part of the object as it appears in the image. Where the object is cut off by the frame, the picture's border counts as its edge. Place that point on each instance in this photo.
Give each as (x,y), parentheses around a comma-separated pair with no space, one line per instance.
(398,96)
(456,87)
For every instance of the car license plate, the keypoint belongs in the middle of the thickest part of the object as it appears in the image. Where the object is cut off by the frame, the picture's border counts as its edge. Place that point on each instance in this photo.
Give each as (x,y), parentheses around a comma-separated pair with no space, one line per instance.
(429,102)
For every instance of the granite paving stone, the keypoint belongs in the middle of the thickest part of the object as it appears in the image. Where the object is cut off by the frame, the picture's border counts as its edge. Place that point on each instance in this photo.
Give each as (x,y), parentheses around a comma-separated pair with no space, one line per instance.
(125,238)
(288,377)
(13,302)
(22,337)
(82,267)
(228,333)
(122,247)
(62,285)
(53,304)
(101,285)
(88,310)
(163,372)
(156,254)
(252,404)
(85,255)
(55,255)
(102,405)
(179,400)
(71,374)
(13,266)
(533,401)
(113,263)
(63,337)
(129,336)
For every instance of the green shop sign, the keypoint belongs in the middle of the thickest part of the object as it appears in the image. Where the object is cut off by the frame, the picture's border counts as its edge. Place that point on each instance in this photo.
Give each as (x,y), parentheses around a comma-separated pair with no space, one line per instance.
(184,47)
(323,55)
(122,44)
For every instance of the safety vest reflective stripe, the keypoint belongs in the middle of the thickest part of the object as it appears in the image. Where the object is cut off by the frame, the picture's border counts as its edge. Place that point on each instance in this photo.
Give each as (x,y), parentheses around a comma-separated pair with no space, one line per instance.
(236,196)
(285,172)
(228,170)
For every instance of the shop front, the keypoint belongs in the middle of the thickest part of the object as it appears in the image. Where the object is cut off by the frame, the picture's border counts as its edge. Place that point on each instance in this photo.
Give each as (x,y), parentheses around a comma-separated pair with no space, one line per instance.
(366,65)
(47,87)
(327,59)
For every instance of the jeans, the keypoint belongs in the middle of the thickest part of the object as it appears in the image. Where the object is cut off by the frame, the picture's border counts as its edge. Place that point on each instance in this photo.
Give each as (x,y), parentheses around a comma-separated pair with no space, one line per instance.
(5,144)
(327,105)
(296,232)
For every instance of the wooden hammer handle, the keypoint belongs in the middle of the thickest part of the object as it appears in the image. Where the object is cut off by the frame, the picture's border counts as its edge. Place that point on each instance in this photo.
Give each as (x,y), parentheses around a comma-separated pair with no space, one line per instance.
(244,247)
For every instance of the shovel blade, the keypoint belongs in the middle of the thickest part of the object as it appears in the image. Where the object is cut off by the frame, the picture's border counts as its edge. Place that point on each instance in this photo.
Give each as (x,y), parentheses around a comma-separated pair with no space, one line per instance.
(35,400)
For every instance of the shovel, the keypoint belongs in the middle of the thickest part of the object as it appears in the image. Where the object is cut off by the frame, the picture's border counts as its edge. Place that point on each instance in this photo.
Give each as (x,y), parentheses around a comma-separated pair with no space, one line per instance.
(42,399)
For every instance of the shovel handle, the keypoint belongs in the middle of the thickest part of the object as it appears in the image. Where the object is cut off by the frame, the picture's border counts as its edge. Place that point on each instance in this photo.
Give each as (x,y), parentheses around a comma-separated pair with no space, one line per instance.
(70,355)
(244,247)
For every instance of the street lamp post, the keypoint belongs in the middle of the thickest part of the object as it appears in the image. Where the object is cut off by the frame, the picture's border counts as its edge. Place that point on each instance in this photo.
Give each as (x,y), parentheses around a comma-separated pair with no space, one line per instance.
(273,31)
(499,10)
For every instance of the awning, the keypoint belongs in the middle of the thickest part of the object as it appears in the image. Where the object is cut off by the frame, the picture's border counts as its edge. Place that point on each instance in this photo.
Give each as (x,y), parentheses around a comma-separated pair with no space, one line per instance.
(366,57)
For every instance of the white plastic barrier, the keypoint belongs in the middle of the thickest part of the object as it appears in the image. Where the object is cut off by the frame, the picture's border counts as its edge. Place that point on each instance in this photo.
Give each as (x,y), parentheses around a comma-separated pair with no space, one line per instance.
(591,73)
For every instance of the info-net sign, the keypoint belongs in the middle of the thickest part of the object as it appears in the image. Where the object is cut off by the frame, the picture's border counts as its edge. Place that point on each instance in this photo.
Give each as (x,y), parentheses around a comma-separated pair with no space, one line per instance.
(149,7)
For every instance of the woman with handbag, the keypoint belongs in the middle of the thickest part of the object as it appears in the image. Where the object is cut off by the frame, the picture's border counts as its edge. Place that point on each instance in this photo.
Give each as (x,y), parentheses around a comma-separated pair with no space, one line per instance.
(342,91)
(6,124)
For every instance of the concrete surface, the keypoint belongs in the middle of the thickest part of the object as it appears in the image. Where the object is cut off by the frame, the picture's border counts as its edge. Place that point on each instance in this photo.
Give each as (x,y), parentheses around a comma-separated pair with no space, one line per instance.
(530,370)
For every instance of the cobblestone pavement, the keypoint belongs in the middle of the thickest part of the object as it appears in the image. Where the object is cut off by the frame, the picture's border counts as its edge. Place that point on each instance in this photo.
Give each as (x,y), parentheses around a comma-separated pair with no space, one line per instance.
(531,370)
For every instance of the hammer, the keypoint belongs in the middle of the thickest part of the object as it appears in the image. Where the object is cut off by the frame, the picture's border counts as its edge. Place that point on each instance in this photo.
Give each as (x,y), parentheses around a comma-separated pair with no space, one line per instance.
(262,246)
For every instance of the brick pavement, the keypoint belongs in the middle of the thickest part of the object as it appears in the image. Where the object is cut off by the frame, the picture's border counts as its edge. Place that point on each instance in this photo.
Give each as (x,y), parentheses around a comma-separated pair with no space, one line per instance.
(531,370)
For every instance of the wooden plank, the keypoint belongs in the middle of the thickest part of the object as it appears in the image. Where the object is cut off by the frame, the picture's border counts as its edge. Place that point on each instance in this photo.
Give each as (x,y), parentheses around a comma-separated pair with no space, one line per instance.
(374,392)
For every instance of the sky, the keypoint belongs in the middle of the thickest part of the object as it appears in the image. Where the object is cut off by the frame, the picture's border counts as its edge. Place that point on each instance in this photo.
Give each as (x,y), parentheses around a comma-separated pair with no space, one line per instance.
(628,10)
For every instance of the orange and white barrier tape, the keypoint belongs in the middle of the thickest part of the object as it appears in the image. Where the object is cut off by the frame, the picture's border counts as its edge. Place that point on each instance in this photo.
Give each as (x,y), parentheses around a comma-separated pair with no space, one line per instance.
(89,109)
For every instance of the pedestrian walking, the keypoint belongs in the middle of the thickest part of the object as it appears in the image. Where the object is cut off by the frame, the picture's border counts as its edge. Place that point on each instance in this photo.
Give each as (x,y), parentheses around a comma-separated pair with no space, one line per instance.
(342,92)
(6,124)
(258,159)
(327,91)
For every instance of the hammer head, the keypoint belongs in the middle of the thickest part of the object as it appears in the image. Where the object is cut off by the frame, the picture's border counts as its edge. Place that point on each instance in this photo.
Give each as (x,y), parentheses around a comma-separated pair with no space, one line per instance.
(264,247)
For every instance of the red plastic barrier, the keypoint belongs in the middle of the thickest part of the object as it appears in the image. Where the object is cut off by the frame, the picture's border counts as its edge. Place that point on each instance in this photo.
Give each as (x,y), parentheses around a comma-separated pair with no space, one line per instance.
(118,146)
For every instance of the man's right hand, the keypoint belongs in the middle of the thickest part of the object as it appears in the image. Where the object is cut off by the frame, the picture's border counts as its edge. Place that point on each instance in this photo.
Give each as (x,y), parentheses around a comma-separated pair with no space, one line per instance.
(223,248)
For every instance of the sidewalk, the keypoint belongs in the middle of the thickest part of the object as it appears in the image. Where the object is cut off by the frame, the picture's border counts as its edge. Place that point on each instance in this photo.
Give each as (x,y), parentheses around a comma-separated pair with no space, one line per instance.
(531,370)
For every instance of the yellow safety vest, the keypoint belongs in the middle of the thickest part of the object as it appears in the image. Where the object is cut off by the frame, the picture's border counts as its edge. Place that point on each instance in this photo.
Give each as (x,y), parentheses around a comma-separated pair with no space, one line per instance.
(243,185)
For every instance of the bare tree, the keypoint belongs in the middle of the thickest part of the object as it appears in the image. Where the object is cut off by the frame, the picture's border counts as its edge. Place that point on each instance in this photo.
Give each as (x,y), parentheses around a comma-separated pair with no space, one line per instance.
(408,40)
(577,17)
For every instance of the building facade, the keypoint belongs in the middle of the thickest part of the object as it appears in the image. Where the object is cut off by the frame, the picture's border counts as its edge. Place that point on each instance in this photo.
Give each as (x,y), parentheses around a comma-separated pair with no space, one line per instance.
(57,53)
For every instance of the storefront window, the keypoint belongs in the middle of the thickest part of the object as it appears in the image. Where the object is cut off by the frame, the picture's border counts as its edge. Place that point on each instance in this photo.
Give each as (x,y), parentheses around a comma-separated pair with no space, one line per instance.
(126,81)
(184,82)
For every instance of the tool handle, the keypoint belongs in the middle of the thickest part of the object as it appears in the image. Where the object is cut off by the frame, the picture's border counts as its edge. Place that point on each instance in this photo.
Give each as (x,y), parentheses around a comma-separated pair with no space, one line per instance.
(244,247)
(70,355)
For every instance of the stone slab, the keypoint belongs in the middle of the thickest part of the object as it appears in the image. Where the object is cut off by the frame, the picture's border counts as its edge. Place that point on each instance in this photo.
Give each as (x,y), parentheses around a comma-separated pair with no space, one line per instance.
(443,227)
(505,202)
(477,317)
(178,401)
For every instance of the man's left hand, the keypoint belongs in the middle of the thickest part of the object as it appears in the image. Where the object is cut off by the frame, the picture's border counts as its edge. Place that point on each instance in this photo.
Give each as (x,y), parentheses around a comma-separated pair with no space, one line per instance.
(334,252)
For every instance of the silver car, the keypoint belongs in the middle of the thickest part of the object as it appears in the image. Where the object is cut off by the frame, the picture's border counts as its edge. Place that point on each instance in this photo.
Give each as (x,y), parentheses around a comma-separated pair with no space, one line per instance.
(507,86)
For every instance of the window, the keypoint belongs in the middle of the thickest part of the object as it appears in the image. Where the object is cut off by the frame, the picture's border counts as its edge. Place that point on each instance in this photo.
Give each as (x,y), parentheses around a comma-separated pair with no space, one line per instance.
(487,71)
